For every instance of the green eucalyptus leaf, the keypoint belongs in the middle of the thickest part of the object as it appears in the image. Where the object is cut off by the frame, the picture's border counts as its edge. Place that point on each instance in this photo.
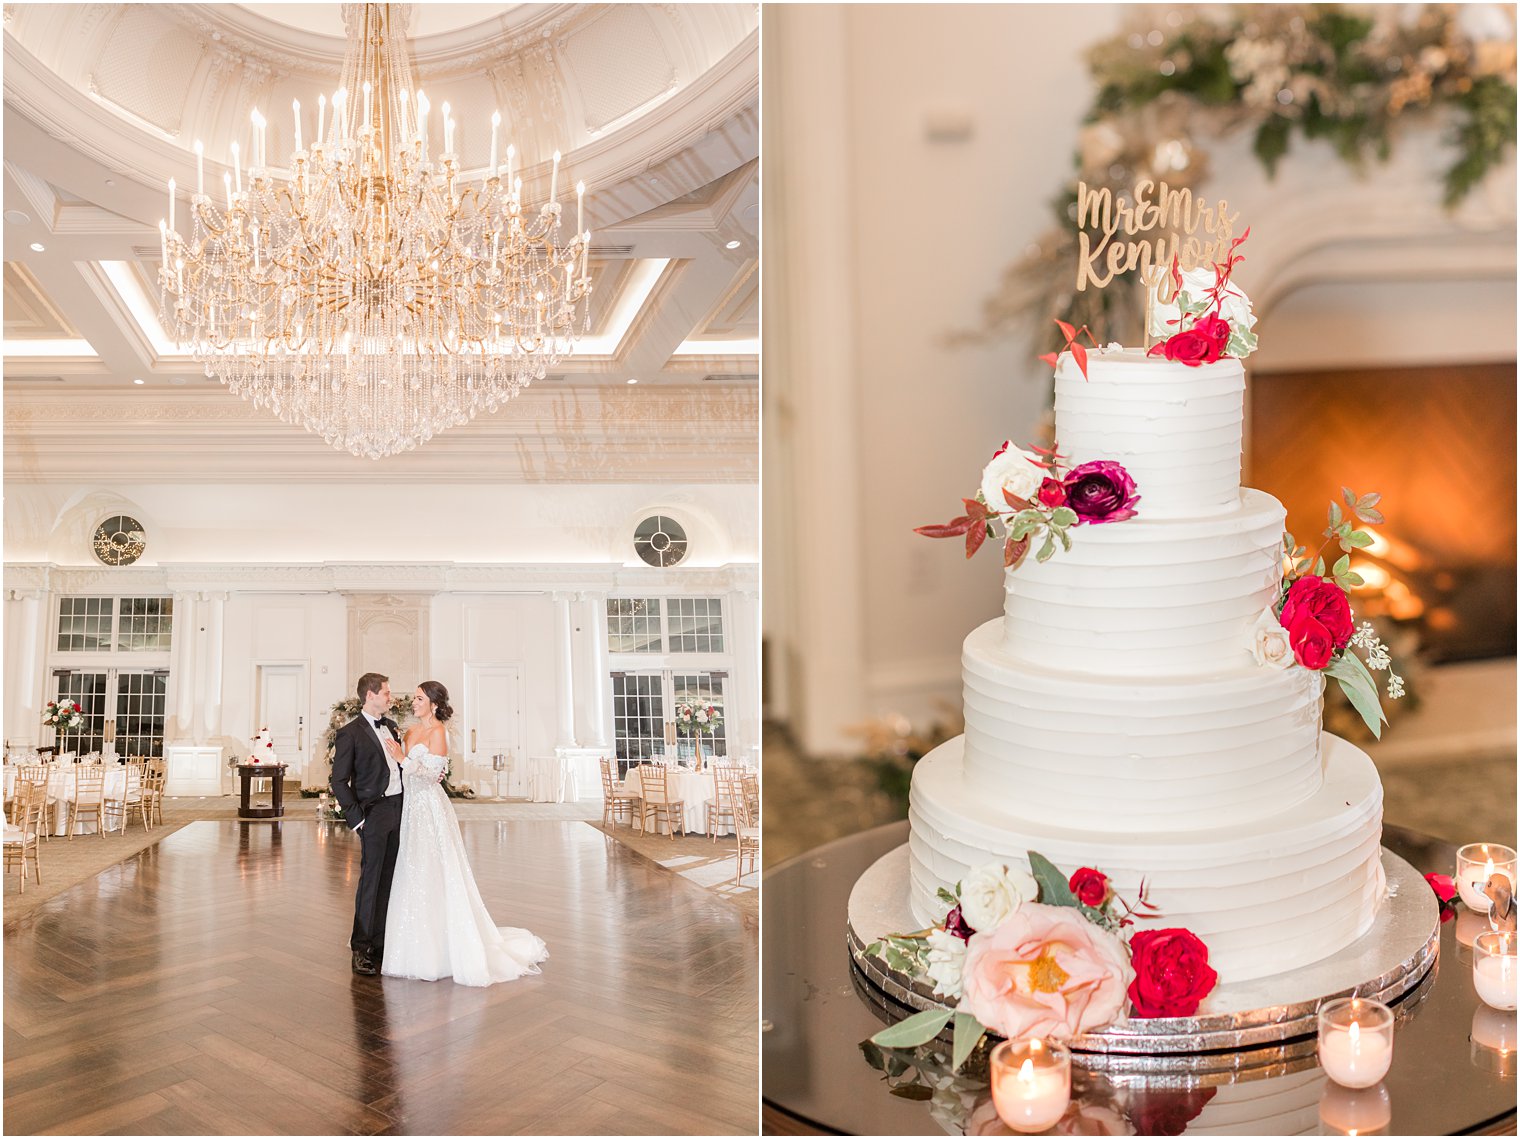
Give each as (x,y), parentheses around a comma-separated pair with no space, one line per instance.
(874,949)
(1319,567)
(1360,539)
(1350,496)
(968,1033)
(919,1028)
(1342,564)
(1335,514)
(1354,578)
(945,896)
(1287,541)
(1372,516)
(1065,536)
(1369,500)
(1054,889)
(1047,549)
(1063,516)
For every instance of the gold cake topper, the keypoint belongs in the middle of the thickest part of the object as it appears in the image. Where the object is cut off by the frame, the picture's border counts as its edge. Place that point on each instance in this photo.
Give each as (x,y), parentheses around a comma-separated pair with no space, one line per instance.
(1145,234)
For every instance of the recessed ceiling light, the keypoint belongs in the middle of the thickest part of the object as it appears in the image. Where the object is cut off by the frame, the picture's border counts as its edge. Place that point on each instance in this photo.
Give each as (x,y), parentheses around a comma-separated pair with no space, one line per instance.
(37,247)
(732,245)
(634,380)
(16,217)
(135,380)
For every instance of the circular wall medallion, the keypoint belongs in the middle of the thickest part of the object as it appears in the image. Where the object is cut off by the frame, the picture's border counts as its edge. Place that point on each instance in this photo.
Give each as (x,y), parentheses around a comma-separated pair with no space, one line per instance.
(119,540)
(660,541)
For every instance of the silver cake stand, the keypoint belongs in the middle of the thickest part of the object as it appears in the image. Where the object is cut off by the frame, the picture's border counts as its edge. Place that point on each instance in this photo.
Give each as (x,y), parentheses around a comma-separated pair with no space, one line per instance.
(1276,1014)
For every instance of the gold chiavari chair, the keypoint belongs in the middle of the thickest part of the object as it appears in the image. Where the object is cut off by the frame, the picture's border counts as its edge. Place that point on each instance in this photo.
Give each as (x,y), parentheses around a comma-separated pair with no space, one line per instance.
(21,836)
(655,797)
(89,798)
(37,773)
(615,802)
(155,774)
(120,800)
(747,829)
(727,785)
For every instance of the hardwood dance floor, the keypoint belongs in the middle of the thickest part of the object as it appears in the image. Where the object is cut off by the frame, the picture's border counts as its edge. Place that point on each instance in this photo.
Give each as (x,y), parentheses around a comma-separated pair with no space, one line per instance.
(203,987)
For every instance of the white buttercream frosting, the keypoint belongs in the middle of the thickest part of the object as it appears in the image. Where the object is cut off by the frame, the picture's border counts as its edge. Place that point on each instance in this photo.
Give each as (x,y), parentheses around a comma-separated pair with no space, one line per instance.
(1147,595)
(1265,896)
(1176,429)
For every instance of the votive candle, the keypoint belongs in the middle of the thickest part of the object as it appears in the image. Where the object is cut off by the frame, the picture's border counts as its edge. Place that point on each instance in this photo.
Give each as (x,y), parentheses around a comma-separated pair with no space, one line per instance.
(1355,1041)
(1494,969)
(1031,1083)
(1493,1041)
(1476,863)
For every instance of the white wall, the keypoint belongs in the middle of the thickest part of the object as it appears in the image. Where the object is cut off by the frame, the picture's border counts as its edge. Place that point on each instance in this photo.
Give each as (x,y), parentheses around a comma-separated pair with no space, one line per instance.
(884,240)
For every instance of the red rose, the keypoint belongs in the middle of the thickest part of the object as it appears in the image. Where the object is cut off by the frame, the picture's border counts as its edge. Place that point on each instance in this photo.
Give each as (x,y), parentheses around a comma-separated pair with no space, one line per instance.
(1052,493)
(1090,886)
(1172,974)
(1317,617)
(1446,892)
(1216,330)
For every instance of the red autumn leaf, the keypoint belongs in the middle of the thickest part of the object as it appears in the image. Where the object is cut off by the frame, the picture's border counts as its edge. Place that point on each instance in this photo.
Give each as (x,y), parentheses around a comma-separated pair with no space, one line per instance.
(1049,358)
(1013,552)
(1067,330)
(952,529)
(975,509)
(975,537)
(1079,354)
(1014,500)
(1176,275)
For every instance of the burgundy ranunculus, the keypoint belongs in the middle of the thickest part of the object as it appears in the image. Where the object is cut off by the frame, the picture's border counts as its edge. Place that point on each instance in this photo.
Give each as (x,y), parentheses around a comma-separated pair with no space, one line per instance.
(957,926)
(1101,491)
(1172,973)
(1317,617)
(1090,886)
(1052,493)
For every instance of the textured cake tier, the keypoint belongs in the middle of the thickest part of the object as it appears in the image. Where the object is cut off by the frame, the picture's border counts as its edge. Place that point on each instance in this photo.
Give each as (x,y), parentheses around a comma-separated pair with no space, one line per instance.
(1155,752)
(1148,596)
(1265,897)
(1176,429)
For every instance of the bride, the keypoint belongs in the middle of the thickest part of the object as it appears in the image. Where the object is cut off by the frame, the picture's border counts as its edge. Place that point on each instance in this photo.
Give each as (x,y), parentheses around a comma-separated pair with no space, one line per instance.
(436,925)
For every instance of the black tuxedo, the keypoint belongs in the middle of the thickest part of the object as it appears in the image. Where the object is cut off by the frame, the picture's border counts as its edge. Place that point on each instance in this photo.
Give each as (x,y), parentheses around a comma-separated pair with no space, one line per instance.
(360,776)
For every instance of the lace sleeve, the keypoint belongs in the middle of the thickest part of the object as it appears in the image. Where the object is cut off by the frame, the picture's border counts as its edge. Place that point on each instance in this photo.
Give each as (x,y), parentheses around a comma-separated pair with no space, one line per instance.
(420,760)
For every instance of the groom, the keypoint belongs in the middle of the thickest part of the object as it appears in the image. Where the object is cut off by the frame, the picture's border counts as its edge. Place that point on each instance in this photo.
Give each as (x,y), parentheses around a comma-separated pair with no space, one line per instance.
(366,778)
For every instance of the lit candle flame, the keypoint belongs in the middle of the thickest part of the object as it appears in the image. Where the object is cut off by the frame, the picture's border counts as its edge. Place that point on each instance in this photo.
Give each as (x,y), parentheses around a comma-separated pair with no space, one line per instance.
(1026,1072)
(1356,1035)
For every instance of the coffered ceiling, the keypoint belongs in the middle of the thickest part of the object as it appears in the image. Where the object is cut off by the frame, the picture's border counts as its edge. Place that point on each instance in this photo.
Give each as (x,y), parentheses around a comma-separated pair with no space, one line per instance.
(104,103)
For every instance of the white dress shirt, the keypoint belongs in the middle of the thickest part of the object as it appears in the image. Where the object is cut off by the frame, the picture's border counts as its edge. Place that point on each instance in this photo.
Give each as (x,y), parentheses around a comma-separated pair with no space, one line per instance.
(384,736)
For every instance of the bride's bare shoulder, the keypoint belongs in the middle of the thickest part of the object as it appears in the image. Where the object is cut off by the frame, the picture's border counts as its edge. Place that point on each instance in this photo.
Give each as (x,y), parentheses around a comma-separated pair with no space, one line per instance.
(437,740)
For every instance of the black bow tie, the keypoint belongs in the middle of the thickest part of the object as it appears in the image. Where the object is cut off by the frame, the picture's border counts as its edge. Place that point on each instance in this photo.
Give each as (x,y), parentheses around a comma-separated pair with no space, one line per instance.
(382,723)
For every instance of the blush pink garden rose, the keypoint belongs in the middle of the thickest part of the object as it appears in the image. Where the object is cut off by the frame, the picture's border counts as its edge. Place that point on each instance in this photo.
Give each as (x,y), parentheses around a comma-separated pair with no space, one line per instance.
(1045,971)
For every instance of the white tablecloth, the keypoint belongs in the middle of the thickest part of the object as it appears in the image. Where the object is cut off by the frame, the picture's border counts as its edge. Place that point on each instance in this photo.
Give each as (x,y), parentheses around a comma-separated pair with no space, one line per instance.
(695,790)
(541,778)
(61,786)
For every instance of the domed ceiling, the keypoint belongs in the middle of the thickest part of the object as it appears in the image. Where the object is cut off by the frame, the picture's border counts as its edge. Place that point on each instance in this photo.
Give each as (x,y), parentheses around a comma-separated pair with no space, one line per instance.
(655,107)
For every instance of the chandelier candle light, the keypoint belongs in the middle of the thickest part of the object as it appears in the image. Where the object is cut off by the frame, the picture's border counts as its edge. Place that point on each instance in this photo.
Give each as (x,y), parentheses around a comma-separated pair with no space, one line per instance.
(374,296)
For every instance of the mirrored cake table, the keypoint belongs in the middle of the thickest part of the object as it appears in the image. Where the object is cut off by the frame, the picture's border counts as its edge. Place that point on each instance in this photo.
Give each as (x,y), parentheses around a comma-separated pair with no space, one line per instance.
(1453,1070)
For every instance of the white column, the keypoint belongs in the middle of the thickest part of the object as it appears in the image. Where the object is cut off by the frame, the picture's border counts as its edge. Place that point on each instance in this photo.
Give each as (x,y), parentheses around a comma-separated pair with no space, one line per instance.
(25,653)
(180,698)
(812,384)
(211,722)
(601,672)
(564,673)
(741,623)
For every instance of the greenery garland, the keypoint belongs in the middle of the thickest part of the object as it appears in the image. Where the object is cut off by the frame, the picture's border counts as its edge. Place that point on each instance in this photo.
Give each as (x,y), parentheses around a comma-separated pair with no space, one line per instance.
(1277,71)
(343,712)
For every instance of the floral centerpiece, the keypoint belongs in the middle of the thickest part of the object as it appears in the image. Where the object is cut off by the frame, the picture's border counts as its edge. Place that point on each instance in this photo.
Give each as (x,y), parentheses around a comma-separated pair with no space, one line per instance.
(1034,953)
(1207,316)
(1029,496)
(696,721)
(63,715)
(1309,623)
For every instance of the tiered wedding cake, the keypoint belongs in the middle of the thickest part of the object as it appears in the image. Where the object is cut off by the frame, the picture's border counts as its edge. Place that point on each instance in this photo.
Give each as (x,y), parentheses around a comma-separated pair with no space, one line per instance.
(1117,718)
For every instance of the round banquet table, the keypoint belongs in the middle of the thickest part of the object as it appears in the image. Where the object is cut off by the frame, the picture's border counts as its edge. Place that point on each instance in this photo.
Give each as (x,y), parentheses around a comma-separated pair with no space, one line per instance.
(695,789)
(61,785)
(817,1079)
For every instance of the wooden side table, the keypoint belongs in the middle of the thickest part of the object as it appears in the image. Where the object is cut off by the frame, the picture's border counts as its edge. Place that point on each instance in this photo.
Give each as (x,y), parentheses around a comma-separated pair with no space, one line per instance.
(248,772)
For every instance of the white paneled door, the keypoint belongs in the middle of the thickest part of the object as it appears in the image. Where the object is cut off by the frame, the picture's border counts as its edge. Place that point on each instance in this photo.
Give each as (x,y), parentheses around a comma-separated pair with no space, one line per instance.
(282,708)
(492,715)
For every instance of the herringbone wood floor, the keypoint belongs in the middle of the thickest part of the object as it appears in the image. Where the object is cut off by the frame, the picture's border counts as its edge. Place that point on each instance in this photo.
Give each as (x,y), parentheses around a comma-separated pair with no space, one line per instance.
(203,987)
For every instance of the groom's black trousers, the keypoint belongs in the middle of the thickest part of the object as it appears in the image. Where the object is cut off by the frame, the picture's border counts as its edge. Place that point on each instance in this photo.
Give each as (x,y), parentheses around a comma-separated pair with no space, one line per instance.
(379,842)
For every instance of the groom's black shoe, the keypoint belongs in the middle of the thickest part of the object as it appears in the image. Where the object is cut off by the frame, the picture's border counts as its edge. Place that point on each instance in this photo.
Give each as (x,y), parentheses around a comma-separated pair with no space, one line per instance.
(363,966)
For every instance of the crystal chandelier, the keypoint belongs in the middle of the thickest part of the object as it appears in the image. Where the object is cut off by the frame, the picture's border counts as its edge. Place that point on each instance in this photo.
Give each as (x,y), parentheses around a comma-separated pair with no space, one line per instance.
(374,297)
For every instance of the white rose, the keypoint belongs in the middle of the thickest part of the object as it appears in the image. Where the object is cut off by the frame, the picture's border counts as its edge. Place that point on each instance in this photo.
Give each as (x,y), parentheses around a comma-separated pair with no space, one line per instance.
(991,893)
(1014,470)
(947,953)
(1234,305)
(1269,642)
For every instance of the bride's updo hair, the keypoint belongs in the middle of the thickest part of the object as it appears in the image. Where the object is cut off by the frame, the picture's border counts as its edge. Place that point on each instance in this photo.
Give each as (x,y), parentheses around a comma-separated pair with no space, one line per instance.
(439,696)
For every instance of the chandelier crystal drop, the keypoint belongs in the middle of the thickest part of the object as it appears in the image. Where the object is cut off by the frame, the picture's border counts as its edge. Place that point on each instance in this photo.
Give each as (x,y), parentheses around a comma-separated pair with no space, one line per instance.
(374,296)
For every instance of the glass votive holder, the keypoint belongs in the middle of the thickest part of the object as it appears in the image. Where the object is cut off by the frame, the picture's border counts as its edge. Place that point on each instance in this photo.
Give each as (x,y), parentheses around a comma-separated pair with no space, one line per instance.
(1355,1041)
(1031,1083)
(1469,924)
(1494,969)
(1355,1111)
(1476,863)
(1493,1041)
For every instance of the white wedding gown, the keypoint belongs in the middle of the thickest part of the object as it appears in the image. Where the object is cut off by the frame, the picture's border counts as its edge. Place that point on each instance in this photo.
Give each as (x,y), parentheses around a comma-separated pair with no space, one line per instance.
(436,925)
